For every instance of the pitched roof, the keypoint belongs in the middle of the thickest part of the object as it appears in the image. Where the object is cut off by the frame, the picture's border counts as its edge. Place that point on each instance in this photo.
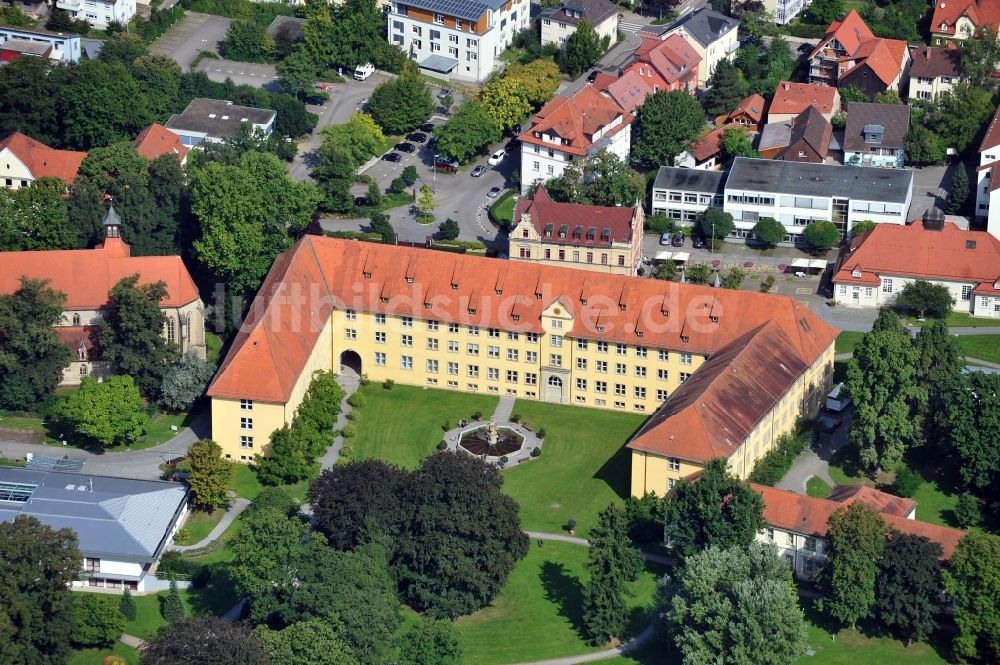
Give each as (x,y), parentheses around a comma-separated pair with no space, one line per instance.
(709,145)
(795,98)
(914,251)
(775,135)
(815,130)
(881,501)
(980,12)
(86,275)
(894,119)
(595,11)
(752,106)
(992,137)
(716,409)
(673,58)
(155,140)
(584,225)
(628,90)
(850,31)
(41,160)
(575,119)
(273,345)
(810,516)
(932,62)
(705,24)
(885,57)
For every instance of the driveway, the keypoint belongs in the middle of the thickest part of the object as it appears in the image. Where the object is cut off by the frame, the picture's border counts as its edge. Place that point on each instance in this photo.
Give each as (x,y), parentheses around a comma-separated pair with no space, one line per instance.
(930,188)
(815,461)
(186,39)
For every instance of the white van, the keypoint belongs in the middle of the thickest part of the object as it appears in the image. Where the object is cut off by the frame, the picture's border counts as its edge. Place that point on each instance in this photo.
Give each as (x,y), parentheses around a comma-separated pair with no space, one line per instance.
(838,399)
(364,71)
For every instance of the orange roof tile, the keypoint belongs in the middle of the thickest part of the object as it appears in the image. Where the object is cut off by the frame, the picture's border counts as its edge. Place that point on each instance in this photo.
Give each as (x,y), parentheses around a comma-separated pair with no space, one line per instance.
(672,58)
(810,516)
(992,137)
(795,98)
(41,160)
(629,90)
(885,57)
(752,107)
(709,145)
(982,13)
(575,119)
(881,501)
(272,347)
(156,140)
(547,216)
(850,31)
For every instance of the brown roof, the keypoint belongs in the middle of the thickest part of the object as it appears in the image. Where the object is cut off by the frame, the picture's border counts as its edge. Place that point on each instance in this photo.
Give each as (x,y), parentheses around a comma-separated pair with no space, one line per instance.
(885,57)
(795,98)
(595,11)
(629,90)
(575,119)
(815,130)
(715,410)
(893,118)
(881,501)
(709,145)
(932,62)
(811,516)
(913,251)
(850,31)
(156,140)
(980,12)
(584,225)
(752,107)
(43,161)
(273,345)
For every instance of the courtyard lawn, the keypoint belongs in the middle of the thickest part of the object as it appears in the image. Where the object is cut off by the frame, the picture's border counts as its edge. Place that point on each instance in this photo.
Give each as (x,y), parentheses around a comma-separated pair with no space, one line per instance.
(215,599)
(502,212)
(213,347)
(97,656)
(817,487)
(956,320)
(158,432)
(198,525)
(404,425)
(538,614)
(846,341)
(246,485)
(983,347)
(584,465)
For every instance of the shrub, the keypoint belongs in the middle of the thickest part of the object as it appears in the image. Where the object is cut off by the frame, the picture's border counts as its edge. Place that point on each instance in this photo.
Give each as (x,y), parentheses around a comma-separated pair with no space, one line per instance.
(659,224)
(365,380)
(541,432)
(515,418)
(907,482)
(348,431)
(351,415)
(127,606)
(773,466)
(645,517)
(767,284)
(397,186)
(478,415)
(967,511)
(357,400)
(442,445)
(571,525)
(446,426)
(388,384)
(536,452)
(504,460)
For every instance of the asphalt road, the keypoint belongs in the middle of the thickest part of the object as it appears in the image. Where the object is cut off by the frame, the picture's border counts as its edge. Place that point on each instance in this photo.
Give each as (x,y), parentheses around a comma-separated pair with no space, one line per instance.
(188,38)
(241,73)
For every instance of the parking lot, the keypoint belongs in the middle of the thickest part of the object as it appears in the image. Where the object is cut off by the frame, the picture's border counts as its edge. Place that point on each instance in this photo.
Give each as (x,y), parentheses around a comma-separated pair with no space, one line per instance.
(188,38)
(241,73)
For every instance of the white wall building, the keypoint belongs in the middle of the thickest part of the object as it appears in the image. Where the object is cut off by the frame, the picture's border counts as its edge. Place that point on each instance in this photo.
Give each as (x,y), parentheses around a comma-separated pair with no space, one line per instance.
(65,47)
(713,36)
(681,193)
(988,182)
(558,23)
(99,13)
(215,120)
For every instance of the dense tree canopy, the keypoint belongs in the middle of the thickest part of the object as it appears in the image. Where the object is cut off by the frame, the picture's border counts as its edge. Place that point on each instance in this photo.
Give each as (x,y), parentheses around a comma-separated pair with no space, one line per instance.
(206,640)
(857,539)
(511,96)
(109,413)
(185,381)
(925,299)
(312,642)
(601,180)
(99,620)
(769,231)
(399,105)
(36,218)
(907,586)
(468,132)
(968,422)
(430,642)
(822,235)
(972,582)
(350,501)
(666,124)
(612,562)
(726,88)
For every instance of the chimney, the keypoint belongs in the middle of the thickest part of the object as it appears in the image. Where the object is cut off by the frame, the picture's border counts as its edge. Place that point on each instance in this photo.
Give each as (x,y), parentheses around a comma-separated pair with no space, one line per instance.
(933,219)
(787,86)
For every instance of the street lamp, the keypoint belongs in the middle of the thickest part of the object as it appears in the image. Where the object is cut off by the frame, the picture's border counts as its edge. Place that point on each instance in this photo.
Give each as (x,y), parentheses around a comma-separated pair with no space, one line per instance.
(434,175)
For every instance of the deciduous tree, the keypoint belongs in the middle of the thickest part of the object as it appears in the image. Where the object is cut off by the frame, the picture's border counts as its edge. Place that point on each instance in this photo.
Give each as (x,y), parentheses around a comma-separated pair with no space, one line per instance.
(211,475)
(581,50)
(959,115)
(667,122)
(769,231)
(430,642)
(400,104)
(612,562)
(822,235)
(99,620)
(352,501)
(923,146)
(312,642)
(247,41)
(968,422)
(601,180)
(978,56)
(468,132)
(923,298)
(110,413)
(449,229)
(972,583)
(736,143)
(714,225)
(185,381)
(35,218)
(907,586)
(857,540)
(90,104)
(205,639)
(858,229)
(824,12)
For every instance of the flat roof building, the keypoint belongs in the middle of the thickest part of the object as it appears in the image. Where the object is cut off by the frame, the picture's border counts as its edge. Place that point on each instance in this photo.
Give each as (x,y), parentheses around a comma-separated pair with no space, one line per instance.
(65,46)
(216,120)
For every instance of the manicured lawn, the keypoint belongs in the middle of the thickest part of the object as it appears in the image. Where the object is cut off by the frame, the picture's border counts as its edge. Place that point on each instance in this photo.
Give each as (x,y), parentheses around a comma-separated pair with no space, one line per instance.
(956,320)
(158,431)
(502,212)
(817,487)
(846,341)
(984,347)
(404,425)
(148,618)
(216,598)
(246,485)
(198,525)
(95,656)
(213,344)
(538,614)
(584,465)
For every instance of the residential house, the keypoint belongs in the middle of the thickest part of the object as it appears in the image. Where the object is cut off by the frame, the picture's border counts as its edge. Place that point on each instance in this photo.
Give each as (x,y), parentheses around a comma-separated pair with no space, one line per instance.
(24,160)
(594,238)
(712,35)
(456,39)
(122,525)
(791,99)
(988,184)
(842,38)
(785,10)
(797,194)
(671,64)
(87,275)
(808,138)
(99,13)
(155,140)
(682,194)
(215,120)
(872,270)
(749,113)
(629,91)
(497,327)
(12,49)
(876,134)
(799,525)
(64,47)
(558,23)
(850,54)
(960,19)
(705,153)
(933,70)
(569,128)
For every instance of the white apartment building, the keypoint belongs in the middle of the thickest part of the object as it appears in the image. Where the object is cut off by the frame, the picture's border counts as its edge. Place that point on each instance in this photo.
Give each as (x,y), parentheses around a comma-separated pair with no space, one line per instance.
(567,128)
(988,186)
(785,10)
(65,47)
(99,13)
(712,35)
(682,193)
(558,23)
(456,39)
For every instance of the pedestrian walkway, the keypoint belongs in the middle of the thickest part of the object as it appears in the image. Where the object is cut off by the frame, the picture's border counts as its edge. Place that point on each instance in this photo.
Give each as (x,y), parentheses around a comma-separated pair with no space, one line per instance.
(237,507)
(132,641)
(349,382)
(505,407)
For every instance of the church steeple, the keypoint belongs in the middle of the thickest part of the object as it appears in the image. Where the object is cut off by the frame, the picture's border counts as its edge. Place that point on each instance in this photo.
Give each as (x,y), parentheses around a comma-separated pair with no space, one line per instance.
(112,223)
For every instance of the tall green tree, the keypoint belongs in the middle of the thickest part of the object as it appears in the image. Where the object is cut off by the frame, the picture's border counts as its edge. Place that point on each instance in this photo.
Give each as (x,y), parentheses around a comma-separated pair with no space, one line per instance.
(734,606)
(666,124)
(736,143)
(960,114)
(726,88)
(923,146)
(185,381)
(430,642)
(857,540)
(958,192)
(881,379)
(822,235)
(36,605)
(399,105)
(35,218)
(132,334)
(769,231)
(111,412)
(205,639)
(972,583)
(122,48)
(511,96)
(468,132)
(978,56)
(924,298)
(287,460)
(718,509)
(247,41)
(351,501)
(99,620)
(714,225)
(907,586)
(92,113)
(968,421)
(211,475)
(601,180)
(312,642)
(29,103)
(160,79)
(612,562)
(32,357)
(581,49)
(939,366)
(824,12)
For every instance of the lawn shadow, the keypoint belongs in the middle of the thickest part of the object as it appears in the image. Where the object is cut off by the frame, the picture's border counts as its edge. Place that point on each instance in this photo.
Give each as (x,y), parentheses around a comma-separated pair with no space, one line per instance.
(565,590)
(217,596)
(616,471)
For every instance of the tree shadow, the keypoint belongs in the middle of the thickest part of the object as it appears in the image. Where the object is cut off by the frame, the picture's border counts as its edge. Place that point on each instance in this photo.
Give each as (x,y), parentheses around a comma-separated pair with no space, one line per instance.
(616,470)
(565,590)
(216,596)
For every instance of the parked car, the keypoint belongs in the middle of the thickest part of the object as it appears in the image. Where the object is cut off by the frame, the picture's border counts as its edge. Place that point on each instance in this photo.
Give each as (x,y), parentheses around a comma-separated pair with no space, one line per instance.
(364,71)
(829,423)
(592,76)
(678,240)
(497,157)
(426,127)
(444,93)
(478,171)
(363,104)
(494,192)
(391,157)
(665,239)
(445,164)
(315,100)
(417,137)
(405,147)
(697,242)
(360,201)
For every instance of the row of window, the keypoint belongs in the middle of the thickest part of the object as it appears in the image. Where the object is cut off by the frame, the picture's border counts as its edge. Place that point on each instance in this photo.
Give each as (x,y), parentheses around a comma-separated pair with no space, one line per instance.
(525,253)
(688,197)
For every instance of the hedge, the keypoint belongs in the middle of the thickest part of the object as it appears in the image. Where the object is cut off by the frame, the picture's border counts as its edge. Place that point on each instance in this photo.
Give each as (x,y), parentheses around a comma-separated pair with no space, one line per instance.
(773,466)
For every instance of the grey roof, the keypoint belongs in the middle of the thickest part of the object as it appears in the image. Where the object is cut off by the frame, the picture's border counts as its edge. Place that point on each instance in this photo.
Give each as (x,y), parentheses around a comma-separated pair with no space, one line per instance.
(92,47)
(595,11)
(114,518)
(893,118)
(690,180)
(800,178)
(439,63)
(112,218)
(469,10)
(775,135)
(706,25)
(292,25)
(27,46)
(37,31)
(198,117)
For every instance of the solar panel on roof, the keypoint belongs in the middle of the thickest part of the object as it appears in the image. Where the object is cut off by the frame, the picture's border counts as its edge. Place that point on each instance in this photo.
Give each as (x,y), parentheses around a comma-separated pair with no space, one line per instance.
(467,9)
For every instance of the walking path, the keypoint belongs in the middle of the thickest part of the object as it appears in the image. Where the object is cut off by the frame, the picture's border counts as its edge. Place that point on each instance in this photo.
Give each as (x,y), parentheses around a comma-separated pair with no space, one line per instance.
(237,507)
(505,407)
(131,640)
(815,460)
(349,381)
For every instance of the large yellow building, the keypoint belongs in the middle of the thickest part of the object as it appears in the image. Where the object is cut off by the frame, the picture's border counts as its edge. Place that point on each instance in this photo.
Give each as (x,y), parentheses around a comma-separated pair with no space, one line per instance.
(490,326)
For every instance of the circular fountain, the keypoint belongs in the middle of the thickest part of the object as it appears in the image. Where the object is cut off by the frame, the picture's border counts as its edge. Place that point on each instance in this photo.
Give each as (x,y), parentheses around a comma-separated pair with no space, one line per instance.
(490,441)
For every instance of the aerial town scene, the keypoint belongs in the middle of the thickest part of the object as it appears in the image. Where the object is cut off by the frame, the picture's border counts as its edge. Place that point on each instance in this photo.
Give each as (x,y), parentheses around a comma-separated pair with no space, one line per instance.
(499,332)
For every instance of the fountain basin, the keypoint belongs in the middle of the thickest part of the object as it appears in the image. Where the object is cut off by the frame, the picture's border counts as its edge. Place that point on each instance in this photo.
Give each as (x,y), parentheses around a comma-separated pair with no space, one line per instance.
(476,441)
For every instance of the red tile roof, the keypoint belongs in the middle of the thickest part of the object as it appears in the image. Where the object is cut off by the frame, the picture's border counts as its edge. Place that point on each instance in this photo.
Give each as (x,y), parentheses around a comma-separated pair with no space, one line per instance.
(629,90)
(575,120)
(885,57)
(673,59)
(86,275)
(980,12)
(851,31)
(274,343)
(810,516)
(992,137)
(547,216)
(43,161)
(913,251)
(709,145)
(873,498)
(156,140)
(752,107)
(794,98)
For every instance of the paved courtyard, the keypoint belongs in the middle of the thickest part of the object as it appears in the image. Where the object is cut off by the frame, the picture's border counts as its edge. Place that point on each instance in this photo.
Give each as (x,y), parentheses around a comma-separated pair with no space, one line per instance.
(242,73)
(188,38)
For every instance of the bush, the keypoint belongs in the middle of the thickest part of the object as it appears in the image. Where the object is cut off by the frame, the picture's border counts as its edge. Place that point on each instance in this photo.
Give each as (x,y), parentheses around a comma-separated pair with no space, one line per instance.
(397,186)
(388,384)
(767,284)
(446,425)
(349,431)
(536,452)
(645,517)
(174,563)
(907,482)
(541,432)
(571,525)
(503,460)
(515,418)
(351,415)
(357,400)
(478,415)
(773,466)
(99,621)
(659,224)
(967,511)
(442,445)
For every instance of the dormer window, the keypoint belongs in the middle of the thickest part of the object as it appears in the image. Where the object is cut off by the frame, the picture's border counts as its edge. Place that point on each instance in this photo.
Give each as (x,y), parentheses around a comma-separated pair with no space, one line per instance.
(368,275)
(384,300)
(76,319)
(516,317)
(409,280)
(856,273)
